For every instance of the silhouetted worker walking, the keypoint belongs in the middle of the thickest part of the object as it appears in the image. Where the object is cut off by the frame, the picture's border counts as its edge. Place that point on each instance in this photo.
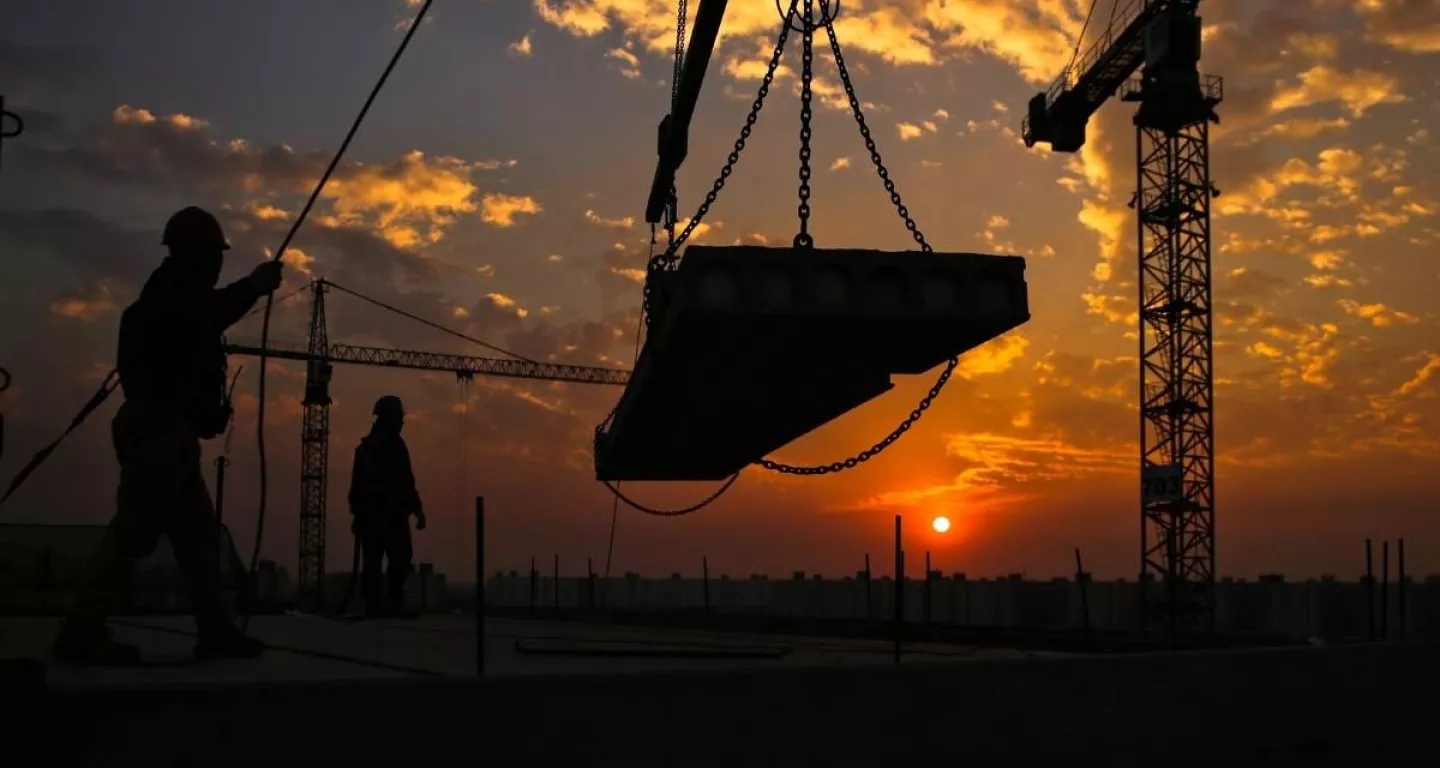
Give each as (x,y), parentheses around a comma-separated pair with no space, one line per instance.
(382,499)
(172,371)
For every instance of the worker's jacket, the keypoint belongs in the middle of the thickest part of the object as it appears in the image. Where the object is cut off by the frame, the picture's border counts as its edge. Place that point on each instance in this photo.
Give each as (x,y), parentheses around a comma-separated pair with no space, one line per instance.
(171,359)
(382,485)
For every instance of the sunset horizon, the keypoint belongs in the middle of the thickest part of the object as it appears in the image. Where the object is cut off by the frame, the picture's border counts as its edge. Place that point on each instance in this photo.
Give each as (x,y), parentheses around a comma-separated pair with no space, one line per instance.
(498,189)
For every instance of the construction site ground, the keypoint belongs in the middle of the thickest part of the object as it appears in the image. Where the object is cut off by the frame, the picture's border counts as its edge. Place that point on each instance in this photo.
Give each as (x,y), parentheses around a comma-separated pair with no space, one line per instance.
(367,692)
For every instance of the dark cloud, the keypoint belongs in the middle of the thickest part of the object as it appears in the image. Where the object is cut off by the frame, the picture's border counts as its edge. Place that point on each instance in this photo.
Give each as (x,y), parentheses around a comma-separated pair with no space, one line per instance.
(93,248)
(135,147)
(26,69)
(1250,283)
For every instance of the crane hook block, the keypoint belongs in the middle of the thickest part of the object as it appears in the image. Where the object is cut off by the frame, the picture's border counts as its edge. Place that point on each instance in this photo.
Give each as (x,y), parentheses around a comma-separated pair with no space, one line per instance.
(752,347)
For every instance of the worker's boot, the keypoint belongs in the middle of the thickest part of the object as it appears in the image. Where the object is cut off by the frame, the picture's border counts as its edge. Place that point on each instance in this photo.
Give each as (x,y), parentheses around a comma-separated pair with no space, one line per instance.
(90,643)
(224,641)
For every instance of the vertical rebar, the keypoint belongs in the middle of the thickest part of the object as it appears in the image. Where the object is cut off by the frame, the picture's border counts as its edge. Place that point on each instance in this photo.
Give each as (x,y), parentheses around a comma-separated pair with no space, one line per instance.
(1369,591)
(869,602)
(1081,581)
(899,617)
(479,586)
(928,596)
(1385,591)
(1400,586)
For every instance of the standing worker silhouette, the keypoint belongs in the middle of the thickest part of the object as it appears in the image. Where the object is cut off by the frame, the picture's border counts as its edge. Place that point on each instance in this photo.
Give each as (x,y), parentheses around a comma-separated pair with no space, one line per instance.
(382,499)
(172,371)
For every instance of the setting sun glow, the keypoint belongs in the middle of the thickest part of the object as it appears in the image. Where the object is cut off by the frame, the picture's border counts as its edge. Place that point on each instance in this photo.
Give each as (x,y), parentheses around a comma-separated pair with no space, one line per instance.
(941,524)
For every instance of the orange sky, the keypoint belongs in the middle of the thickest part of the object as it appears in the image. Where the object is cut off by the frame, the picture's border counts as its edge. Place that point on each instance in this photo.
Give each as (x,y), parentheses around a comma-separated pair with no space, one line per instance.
(498,188)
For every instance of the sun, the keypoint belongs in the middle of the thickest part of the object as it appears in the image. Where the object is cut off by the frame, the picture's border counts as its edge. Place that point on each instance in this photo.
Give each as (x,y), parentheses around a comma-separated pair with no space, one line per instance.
(940,524)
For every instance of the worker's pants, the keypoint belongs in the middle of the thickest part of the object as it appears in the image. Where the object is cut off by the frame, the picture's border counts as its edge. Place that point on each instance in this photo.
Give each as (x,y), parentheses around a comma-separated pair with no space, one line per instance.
(161,493)
(387,539)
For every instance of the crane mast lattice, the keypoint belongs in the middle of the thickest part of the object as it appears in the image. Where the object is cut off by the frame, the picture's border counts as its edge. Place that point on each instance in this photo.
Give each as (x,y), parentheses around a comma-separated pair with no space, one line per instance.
(1160,39)
(320,355)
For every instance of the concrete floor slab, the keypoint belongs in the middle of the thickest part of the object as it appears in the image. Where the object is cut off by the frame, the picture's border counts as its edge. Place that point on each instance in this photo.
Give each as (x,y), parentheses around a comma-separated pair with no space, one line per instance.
(318,648)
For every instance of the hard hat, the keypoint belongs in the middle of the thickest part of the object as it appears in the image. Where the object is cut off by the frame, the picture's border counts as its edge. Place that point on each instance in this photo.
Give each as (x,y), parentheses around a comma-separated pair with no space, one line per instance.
(194,226)
(389,405)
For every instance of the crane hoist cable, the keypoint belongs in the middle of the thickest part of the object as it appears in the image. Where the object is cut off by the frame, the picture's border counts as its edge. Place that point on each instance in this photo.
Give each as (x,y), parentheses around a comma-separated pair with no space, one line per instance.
(1080,40)
(269,298)
(669,260)
(436,326)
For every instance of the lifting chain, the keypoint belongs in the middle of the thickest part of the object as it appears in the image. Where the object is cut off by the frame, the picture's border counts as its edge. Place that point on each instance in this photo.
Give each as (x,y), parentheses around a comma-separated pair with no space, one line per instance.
(876,449)
(828,21)
(668,259)
(807,72)
(672,205)
(865,129)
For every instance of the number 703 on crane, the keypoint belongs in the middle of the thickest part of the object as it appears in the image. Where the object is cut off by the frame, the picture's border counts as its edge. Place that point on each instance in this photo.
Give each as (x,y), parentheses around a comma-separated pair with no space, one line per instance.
(1162,483)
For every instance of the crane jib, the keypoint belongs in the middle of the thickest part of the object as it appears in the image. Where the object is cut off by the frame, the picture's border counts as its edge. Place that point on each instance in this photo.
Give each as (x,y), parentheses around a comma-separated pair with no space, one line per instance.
(436,361)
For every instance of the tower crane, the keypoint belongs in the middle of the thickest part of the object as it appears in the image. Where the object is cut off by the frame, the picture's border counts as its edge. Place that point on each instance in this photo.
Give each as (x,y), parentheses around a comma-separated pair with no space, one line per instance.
(1160,40)
(320,357)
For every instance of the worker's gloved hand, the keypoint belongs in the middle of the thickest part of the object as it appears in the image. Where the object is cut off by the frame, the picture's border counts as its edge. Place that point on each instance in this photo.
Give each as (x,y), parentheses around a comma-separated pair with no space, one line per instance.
(419,521)
(266,277)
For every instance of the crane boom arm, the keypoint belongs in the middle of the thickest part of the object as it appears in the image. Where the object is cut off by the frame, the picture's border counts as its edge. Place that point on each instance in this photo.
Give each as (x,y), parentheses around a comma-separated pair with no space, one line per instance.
(675,128)
(434,361)
(1058,116)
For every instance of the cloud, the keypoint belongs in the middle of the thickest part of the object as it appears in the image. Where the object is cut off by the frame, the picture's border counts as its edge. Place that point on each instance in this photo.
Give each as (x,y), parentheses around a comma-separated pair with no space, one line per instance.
(1412,26)
(629,62)
(1036,38)
(624,222)
(410,201)
(1378,314)
(521,47)
(500,210)
(909,131)
(840,163)
(1358,90)
(993,357)
(85,306)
